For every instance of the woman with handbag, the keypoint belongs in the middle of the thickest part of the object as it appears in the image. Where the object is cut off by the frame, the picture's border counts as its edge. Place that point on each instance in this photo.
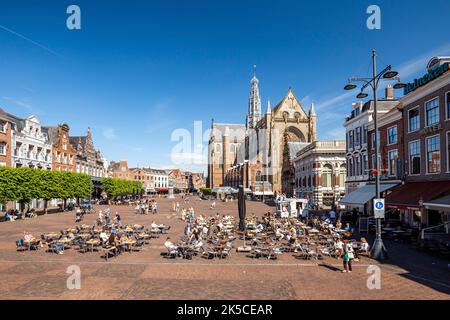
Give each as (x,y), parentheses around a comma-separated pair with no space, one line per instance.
(349,255)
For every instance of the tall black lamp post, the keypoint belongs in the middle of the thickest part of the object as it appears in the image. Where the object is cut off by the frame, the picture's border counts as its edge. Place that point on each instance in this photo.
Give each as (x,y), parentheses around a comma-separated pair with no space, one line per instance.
(378,250)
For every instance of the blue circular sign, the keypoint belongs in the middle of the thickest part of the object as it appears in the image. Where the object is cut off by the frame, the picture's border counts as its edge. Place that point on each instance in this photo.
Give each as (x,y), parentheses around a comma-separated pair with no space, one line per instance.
(379,205)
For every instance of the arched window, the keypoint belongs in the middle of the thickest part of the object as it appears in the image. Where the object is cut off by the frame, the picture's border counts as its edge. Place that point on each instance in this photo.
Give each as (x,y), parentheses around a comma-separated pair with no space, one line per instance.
(327,175)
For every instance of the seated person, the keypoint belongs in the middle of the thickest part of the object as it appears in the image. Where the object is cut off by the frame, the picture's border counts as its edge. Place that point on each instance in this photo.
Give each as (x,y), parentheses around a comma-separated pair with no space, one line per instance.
(154,227)
(364,246)
(9,217)
(112,239)
(103,237)
(279,234)
(27,237)
(171,247)
(199,246)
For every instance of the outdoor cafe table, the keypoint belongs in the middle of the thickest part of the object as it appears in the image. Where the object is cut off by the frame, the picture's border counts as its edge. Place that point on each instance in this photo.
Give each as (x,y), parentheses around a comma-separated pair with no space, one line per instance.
(84,235)
(32,242)
(128,245)
(91,243)
(50,236)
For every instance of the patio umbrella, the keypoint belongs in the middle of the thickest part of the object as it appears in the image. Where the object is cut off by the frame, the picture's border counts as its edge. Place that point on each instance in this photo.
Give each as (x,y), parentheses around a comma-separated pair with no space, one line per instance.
(241,208)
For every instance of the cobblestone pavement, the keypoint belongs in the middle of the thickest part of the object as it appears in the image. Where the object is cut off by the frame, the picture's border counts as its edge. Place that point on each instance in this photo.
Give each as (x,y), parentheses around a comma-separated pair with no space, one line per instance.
(148,275)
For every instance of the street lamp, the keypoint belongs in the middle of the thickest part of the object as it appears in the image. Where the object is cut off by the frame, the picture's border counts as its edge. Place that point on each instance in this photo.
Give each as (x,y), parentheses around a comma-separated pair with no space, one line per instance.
(378,250)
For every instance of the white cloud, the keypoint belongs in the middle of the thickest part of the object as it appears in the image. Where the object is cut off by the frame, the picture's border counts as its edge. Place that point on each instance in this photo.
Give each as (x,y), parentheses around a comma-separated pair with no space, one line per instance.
(20,102)
(418,64)
(333,101)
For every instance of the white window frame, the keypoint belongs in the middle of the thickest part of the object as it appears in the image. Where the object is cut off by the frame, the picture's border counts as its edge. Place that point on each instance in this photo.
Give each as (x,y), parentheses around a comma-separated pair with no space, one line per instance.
(425,111)
(447,137)
(409,158)
(4,148)
(447,115)
(389,163)
(387,135)
(426,154)
(409,128)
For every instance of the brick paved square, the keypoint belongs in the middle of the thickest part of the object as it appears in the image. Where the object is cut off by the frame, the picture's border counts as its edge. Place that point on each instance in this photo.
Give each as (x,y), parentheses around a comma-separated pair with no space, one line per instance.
(408,274)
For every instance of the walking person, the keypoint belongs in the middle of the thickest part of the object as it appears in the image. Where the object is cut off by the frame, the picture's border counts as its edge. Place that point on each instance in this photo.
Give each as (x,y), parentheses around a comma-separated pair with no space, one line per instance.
(349,256)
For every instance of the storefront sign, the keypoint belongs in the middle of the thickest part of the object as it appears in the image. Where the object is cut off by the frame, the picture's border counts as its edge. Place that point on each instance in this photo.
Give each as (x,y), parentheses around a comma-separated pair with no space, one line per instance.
(431,75)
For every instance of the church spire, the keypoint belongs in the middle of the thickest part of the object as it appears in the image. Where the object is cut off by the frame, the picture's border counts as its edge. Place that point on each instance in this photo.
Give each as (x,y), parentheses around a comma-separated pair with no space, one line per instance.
(269,109)
(312,110)
(254,102)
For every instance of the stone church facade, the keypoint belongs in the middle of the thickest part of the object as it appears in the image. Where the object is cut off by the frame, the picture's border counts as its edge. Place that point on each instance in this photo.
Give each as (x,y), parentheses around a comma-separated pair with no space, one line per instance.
(259,155)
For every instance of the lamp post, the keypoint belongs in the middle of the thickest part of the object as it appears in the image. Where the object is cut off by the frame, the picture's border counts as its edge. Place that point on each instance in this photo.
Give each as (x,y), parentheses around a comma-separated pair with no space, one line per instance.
(378,250)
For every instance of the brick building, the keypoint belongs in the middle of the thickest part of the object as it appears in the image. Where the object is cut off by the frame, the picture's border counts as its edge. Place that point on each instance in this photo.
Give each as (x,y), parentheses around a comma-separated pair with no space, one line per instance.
(5,139)
(391,151)
(423,200)
(120,170)
(64,154)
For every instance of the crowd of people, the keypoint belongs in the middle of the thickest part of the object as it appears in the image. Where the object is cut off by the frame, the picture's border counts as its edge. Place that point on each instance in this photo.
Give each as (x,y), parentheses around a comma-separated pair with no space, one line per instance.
(146,207)
(108,235)
(15,214)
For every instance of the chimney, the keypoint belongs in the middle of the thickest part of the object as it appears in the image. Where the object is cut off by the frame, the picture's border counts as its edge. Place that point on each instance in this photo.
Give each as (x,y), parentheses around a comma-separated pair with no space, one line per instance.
(389,92)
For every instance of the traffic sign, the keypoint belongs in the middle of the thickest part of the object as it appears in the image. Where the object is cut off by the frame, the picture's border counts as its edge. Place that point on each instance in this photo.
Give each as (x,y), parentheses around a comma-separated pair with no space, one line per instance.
(378,208)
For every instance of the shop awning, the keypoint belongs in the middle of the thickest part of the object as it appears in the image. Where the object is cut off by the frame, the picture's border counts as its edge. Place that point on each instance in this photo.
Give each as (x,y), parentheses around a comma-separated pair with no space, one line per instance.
(412,194)
(364,194)
(442,203)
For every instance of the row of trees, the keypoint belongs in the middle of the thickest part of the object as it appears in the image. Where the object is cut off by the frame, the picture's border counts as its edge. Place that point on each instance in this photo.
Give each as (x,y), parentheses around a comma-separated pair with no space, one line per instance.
(24,184)
(115,187)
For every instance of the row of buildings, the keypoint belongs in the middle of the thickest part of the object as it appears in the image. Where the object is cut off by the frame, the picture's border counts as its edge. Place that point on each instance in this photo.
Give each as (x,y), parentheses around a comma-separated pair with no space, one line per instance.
(28,143)
(277,153)
(414,152)
(158,180)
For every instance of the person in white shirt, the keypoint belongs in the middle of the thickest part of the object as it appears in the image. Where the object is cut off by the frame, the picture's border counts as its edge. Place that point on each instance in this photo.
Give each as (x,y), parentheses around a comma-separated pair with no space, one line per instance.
(104,237)
(205,231)
(339,247)
(154,227)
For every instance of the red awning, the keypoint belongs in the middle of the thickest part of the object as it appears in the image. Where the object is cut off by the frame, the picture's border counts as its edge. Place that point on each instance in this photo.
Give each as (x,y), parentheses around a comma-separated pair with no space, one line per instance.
(411,194)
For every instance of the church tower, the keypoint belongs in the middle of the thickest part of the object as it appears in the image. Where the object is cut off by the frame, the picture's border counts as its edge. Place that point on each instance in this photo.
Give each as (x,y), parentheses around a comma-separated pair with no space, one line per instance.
(254,103)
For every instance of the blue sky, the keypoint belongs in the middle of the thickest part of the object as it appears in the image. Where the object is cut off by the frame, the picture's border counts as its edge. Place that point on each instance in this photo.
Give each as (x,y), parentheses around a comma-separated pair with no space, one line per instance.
(137,70)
